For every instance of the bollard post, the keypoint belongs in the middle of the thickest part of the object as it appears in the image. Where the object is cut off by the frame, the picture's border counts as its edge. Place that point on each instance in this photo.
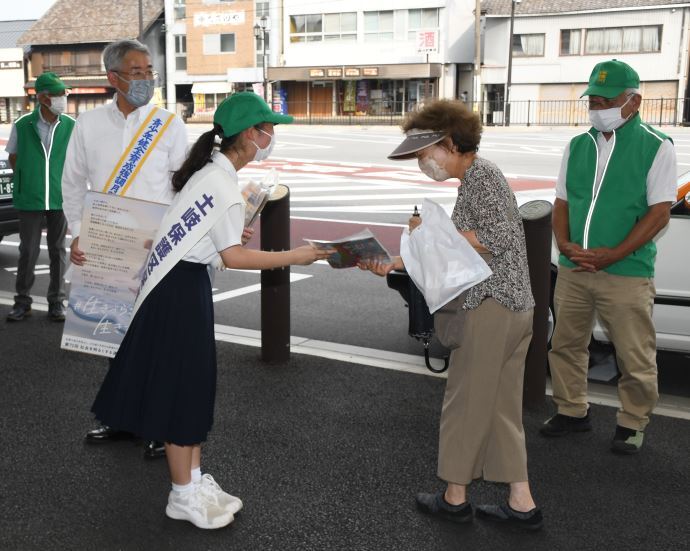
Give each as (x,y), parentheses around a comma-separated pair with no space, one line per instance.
(275,284)
(536,220)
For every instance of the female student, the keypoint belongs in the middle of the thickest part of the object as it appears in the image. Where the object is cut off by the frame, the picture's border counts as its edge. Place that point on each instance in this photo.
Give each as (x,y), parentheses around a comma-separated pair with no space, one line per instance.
(161,384)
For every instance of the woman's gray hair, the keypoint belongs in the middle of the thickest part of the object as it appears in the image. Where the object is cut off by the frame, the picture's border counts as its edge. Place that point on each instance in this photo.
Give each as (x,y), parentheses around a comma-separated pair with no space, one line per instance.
(114,53)
(635,91)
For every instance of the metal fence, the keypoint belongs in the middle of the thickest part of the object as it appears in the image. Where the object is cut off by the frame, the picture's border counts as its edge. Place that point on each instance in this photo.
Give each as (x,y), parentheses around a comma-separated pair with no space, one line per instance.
(656,111)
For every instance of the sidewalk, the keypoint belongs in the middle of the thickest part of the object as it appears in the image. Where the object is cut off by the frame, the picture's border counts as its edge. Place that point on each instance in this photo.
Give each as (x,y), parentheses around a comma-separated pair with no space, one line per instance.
(326,455)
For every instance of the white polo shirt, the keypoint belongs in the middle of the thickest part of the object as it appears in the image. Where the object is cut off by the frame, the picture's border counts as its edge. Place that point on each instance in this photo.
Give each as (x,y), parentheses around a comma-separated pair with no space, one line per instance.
(98,140)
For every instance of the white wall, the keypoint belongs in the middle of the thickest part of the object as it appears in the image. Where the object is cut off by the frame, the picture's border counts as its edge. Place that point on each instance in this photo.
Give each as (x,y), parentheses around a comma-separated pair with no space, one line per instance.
(665,65)
(12,80)
(360,52)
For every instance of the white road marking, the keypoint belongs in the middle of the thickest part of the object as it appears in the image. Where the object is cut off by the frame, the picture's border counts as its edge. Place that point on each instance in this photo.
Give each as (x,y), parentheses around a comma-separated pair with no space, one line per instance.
(253,288)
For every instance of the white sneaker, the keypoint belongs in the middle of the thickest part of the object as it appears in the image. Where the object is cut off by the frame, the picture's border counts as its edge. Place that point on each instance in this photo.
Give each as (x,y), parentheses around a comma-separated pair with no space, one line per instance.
(193,506)
(212,492)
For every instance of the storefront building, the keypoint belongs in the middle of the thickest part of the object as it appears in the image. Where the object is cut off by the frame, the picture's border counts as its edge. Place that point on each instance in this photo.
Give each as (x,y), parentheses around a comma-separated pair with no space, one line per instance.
(367,58)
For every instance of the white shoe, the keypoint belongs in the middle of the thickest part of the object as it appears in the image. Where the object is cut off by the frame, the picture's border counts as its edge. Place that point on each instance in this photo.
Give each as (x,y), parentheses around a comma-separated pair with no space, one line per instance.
(201,512)
(212,492)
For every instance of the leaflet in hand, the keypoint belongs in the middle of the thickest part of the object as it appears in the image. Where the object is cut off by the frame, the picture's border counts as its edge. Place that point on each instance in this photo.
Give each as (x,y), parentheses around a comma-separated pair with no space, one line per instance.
(256,195)
(360,247)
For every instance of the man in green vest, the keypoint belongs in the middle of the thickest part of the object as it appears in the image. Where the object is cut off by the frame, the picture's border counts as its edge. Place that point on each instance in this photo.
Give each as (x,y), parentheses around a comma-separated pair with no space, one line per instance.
(614,192)
(37,147)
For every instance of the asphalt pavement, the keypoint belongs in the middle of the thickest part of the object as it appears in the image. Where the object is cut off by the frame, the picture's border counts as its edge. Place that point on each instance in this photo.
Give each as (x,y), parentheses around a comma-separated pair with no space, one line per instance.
(326,455)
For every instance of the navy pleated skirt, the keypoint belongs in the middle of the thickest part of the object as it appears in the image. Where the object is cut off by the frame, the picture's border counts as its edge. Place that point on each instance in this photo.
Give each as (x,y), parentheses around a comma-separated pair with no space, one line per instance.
(161,385)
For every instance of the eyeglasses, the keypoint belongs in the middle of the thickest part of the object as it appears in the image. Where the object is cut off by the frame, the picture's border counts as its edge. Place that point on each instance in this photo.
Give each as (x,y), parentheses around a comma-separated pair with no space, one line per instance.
(139,75)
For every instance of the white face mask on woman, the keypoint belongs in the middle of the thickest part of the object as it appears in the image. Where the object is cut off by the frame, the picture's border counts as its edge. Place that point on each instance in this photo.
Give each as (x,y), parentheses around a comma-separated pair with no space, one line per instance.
(607,120)
(432,169)
(263,153)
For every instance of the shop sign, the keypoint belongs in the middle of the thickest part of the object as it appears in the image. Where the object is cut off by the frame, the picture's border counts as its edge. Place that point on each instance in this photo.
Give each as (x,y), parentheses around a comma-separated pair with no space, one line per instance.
(88,91)
(317,73)
(370,71)
(352,71)
(10,64)
(427,42)
(203,19)
(334,73)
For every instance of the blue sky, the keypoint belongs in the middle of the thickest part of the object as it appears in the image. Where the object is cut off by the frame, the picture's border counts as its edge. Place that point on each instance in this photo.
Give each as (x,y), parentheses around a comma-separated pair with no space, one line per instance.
(31,9)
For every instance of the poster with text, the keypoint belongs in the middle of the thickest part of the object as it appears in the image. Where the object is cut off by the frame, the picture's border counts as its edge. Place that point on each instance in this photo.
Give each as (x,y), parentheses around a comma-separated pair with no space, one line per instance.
(116,235)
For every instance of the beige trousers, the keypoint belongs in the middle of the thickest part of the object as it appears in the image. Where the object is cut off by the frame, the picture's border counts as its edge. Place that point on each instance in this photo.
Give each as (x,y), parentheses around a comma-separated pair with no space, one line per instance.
(481,423)
(624,306)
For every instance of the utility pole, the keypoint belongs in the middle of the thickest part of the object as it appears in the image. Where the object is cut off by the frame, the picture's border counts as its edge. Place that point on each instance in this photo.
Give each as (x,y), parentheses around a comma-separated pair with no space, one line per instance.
(506,99)
(476,85)
(141,21)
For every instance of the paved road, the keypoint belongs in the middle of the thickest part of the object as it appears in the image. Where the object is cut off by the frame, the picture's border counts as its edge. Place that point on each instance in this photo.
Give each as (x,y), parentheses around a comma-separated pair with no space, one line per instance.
(340,182)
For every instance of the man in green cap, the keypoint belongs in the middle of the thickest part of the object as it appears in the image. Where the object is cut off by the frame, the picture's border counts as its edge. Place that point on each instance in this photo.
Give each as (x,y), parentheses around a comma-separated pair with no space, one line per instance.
(37,147)
(613,195)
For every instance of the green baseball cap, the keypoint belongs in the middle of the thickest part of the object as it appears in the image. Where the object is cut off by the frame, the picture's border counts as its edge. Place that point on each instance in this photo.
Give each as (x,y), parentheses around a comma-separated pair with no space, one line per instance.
(244,110)
(611,78)
(51,83)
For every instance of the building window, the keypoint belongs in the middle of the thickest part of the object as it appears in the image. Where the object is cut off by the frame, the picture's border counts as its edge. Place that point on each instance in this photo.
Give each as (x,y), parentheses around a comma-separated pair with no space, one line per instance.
(318,27)
(423,19)
(180,10)
(340,26)
(261,9)
(378,26)
(180,52)
(571,42)
(628,40)
(219,43)
(528,45)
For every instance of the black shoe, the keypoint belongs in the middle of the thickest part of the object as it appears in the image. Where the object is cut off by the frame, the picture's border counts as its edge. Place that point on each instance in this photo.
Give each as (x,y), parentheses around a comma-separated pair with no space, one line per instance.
(154,449)
(19,312)
(435,504)
(106,434)
(56,312)
(560,424)
(531,520)
(627,441)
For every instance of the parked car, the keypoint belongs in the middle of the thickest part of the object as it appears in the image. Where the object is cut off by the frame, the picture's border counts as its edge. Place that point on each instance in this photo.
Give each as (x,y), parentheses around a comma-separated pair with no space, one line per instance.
(9,222)
(671,279)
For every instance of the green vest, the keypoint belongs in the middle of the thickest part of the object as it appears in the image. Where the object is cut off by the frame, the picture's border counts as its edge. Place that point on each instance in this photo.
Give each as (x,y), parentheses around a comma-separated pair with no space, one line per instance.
(606,219)
(37,183)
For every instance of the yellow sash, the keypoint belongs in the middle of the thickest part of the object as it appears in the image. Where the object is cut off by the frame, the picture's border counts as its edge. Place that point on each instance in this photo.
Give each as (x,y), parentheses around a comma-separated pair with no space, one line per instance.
(138,150)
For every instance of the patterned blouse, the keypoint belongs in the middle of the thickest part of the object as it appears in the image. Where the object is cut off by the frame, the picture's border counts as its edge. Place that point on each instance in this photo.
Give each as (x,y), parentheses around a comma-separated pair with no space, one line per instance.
(487,205)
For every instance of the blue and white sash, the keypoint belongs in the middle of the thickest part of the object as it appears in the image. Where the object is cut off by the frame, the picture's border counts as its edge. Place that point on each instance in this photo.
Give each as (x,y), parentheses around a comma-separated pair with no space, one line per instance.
(138,150)
(184,224)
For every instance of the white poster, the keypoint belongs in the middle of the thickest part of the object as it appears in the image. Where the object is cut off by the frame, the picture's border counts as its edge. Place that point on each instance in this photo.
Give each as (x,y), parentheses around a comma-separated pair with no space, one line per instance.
(116,235)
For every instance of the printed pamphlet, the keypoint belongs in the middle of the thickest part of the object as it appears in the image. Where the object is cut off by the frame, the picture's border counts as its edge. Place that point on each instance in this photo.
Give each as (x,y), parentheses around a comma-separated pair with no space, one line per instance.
(351,250)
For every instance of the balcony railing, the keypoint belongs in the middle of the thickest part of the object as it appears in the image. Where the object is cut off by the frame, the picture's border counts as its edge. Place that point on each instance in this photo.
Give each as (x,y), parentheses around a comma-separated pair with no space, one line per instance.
(658,111)
(75,70)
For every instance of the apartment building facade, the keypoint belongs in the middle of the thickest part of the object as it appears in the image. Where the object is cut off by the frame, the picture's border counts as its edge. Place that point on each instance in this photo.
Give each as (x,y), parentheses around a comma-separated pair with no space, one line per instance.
(555,46)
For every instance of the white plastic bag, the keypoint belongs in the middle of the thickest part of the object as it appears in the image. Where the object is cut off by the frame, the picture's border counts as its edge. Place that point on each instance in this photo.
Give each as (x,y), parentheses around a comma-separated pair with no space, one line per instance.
(439,260)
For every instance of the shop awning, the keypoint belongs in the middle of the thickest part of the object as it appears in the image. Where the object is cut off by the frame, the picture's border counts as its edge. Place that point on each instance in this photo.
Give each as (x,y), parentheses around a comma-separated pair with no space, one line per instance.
(211,88)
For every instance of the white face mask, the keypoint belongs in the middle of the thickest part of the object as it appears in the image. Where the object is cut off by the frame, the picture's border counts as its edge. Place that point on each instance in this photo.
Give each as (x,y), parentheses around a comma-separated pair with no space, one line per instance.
(58,105)
(432,169)
(263,153)
(607,120)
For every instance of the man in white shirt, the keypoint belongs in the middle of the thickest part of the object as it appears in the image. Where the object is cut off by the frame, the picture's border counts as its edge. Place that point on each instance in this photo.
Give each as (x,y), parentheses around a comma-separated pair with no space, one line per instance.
(100,139)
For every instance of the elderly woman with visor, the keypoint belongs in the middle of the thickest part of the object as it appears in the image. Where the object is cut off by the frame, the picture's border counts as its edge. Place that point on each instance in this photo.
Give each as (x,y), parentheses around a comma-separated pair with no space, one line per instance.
(481,432)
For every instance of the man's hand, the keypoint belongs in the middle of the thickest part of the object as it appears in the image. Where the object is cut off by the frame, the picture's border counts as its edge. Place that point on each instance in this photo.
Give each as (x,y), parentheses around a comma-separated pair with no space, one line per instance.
(575,253)
(76,255)
(593,260)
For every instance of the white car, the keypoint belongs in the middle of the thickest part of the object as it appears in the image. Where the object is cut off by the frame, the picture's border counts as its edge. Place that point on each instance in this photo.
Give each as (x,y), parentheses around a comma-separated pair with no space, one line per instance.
(672,274)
